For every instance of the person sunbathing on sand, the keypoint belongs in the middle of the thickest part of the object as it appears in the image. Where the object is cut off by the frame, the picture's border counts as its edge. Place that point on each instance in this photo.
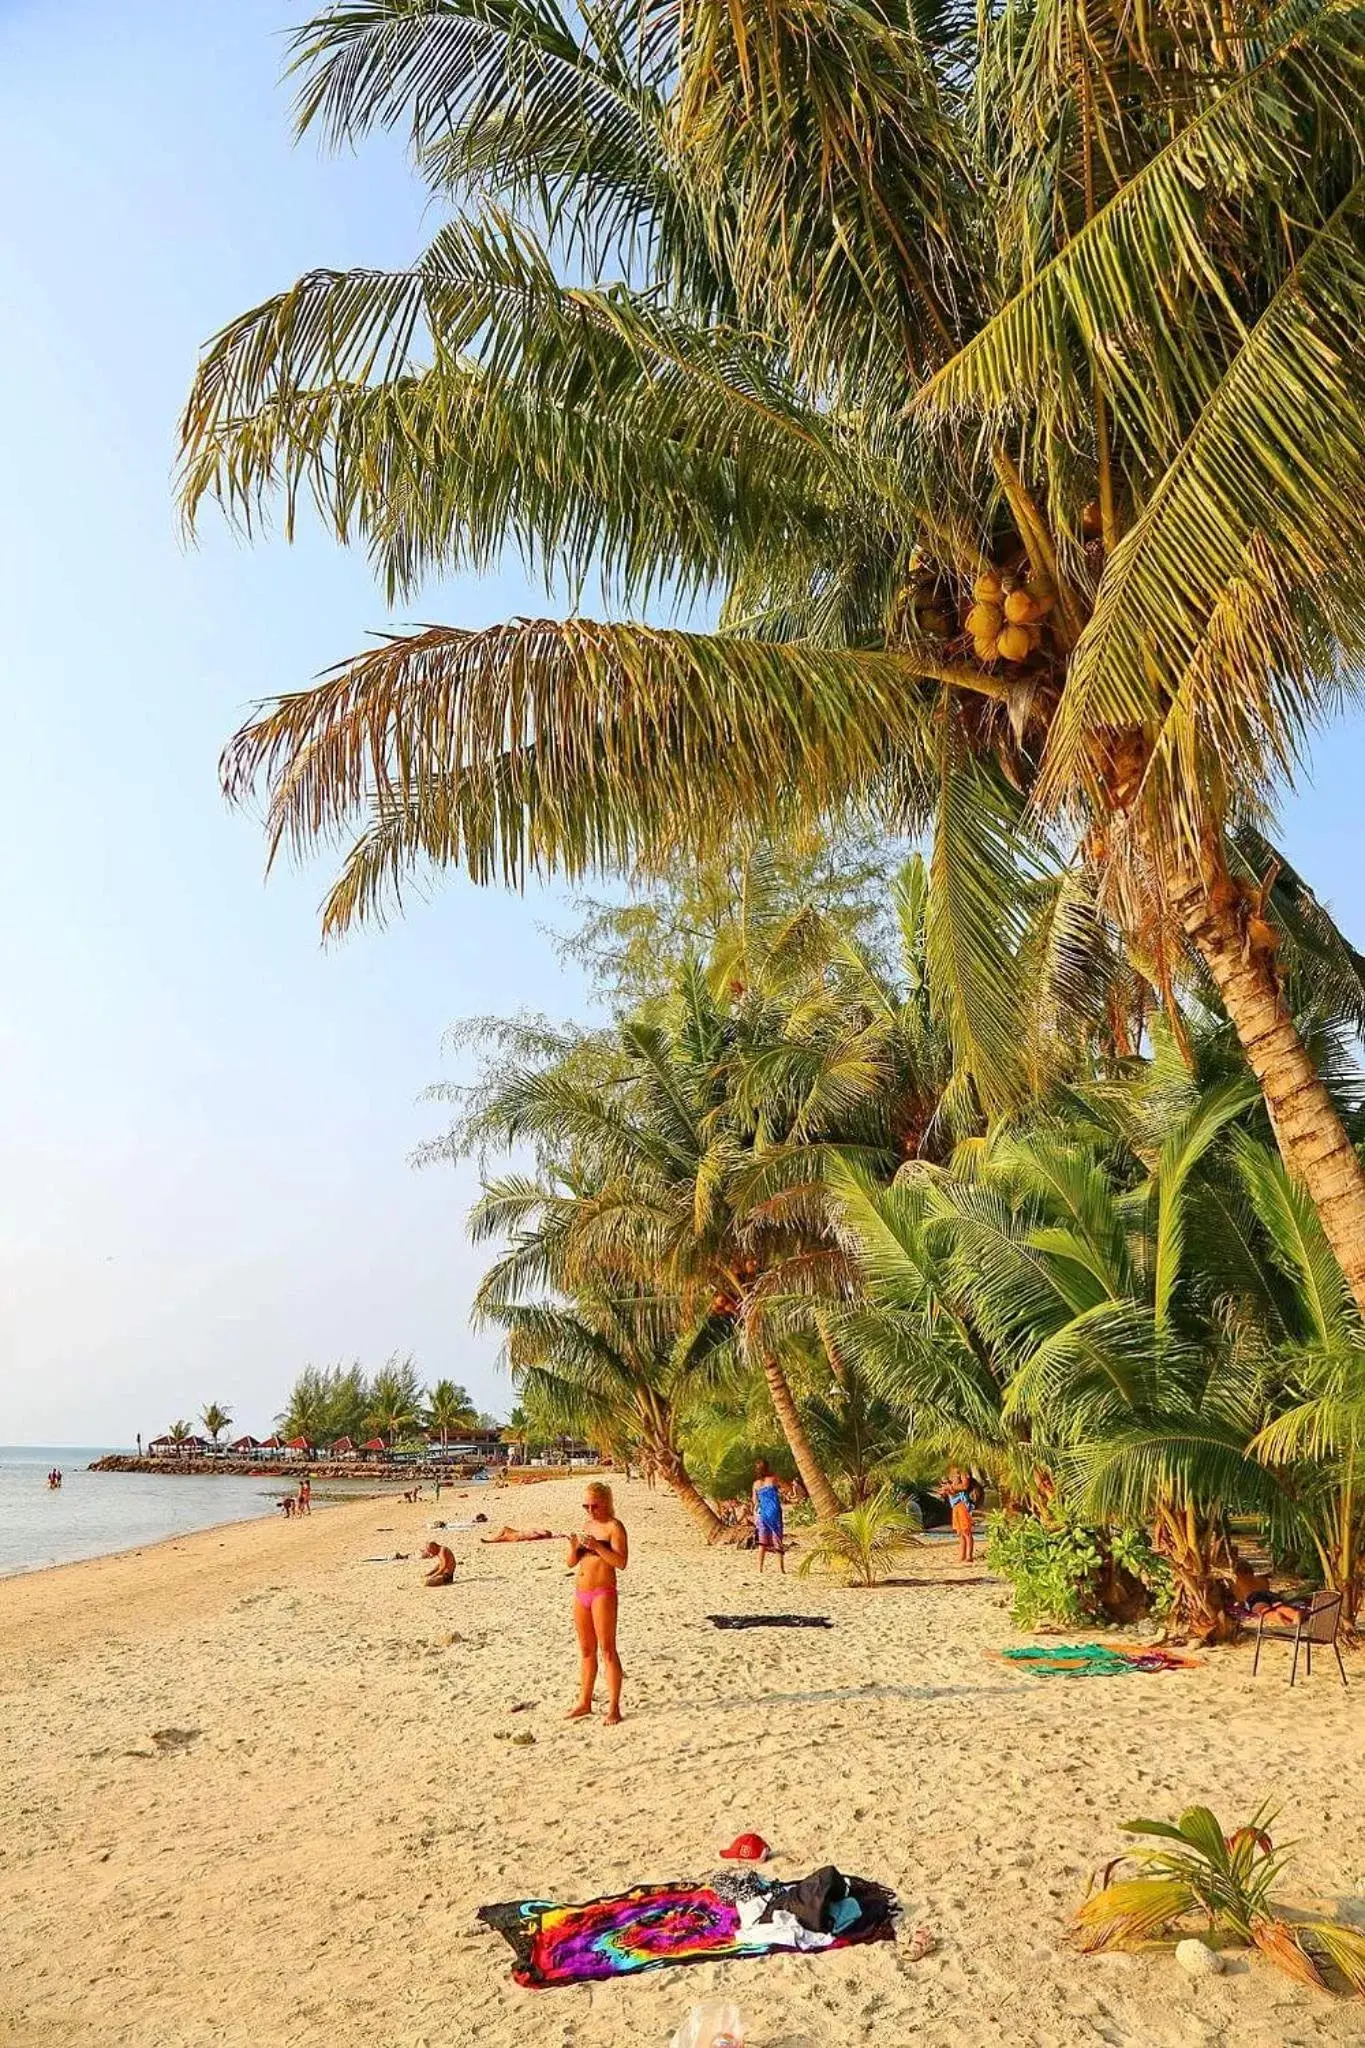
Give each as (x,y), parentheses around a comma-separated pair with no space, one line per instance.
(599,1554)
(442,1572)
(510,1535)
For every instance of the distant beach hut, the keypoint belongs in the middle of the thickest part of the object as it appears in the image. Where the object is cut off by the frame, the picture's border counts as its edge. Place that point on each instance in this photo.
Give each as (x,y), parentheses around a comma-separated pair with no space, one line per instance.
(271,1448)
(243,1446)
(178,1447)
(301,1444)
(376,1443)
(344,1448)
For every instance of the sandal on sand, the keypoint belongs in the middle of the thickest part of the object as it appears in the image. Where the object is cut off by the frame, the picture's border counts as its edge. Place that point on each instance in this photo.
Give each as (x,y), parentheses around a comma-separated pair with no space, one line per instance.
(922,1943)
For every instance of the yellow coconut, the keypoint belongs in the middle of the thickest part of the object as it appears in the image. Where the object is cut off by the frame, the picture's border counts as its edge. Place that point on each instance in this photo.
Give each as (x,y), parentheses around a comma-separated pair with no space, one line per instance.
(1013,644)
(1020,608)
(984,621)
(1042,593)
(987,587)
(984,650)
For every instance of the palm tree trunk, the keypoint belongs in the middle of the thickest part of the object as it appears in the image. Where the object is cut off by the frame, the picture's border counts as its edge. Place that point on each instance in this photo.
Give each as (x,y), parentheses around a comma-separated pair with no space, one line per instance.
(1308,1131)
(823,1497)
(702,1513)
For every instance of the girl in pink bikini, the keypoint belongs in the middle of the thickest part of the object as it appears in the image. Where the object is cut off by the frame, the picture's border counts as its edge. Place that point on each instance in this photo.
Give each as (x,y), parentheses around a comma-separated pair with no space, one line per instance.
(598,1555)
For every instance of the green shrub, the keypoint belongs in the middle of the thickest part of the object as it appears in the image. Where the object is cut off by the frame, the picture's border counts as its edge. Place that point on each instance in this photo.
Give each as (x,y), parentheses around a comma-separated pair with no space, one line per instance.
(1064,1572)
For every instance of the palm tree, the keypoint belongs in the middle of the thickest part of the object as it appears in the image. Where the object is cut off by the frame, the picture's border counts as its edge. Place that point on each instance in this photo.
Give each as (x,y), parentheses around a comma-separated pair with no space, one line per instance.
(608,1370)
(1317,1439)
(644,1153)
(997,371)
(215,1420)
(864,1543)
(395,1399)
(180,1432)
(448,1407)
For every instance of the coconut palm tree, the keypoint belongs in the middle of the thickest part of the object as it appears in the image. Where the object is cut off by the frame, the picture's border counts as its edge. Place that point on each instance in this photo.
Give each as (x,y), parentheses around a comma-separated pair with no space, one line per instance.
(1053,1310)
(215,1420)
(644,1154)
(448,1407)
(997,370)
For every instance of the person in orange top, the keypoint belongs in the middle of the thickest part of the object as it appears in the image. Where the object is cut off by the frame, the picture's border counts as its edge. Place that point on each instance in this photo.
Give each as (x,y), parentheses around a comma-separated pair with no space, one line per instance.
(957,1491)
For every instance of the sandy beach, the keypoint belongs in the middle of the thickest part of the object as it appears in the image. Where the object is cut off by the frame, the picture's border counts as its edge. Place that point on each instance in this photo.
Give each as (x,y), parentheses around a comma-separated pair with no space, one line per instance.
(301,1863)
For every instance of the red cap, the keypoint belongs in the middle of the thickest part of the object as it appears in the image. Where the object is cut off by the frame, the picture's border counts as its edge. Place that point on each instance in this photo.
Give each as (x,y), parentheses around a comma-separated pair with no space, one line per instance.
(747,1849)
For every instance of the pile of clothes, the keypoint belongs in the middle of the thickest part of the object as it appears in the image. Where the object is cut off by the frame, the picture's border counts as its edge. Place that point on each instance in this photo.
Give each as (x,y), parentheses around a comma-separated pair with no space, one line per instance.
(814,1911)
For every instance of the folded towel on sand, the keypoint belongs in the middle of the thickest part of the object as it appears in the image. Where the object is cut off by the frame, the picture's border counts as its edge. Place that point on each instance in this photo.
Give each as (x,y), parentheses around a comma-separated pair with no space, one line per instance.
(658,1924)
(770,1620)
(1095,1660)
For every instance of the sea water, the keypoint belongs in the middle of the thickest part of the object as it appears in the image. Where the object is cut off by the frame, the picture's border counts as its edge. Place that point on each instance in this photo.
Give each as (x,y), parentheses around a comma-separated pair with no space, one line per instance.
(94,1513)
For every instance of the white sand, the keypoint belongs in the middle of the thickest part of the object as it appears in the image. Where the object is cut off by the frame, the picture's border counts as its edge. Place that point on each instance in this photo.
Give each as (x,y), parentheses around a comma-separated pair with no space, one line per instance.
(306,1869)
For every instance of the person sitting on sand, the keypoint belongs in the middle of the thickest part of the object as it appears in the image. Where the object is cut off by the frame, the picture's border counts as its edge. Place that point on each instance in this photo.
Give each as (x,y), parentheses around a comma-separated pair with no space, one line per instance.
(598,1554)
(509,1535)
(286,1507)
(442,1572)
(767,1500)
(957,1491)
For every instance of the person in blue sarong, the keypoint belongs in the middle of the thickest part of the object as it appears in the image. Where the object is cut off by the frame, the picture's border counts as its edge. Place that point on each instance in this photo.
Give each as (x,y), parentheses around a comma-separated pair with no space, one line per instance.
(767,1499)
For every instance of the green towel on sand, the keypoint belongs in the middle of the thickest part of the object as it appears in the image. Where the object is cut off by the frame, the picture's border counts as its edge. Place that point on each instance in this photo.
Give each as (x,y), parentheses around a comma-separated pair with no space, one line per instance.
(1091,1660)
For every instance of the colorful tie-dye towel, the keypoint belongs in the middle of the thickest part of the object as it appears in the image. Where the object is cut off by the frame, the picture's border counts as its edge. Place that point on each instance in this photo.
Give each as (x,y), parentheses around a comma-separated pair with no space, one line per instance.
(646,1928)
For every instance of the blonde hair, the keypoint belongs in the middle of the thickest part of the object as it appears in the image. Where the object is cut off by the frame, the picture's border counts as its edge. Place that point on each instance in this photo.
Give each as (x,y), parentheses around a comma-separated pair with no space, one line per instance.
(599,1491)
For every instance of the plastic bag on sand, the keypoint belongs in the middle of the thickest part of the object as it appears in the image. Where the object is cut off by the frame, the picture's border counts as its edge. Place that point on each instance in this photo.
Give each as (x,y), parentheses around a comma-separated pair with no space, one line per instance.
(715,2024)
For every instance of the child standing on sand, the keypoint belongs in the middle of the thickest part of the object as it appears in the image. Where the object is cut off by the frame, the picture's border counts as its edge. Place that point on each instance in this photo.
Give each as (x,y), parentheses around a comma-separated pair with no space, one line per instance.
(599,1554)
(767,1500)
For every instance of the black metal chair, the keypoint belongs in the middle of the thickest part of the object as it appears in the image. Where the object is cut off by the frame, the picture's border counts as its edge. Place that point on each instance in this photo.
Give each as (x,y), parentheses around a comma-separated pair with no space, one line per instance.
(1320,1622)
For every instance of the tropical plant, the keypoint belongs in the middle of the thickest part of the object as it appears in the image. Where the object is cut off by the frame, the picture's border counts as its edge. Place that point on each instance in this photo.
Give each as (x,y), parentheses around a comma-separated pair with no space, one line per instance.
(1081,1310)
(395,1399)
(1065,1573)
(215,1420)
(327,1403)
(862,1544)
(447,1407)
(180,1432)
(1225,1881)
(645,1143)
(608,1370)
(999,371)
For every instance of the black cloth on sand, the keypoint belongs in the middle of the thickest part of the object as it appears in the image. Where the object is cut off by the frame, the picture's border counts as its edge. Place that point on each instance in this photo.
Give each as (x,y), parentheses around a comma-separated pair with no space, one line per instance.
(771,1620)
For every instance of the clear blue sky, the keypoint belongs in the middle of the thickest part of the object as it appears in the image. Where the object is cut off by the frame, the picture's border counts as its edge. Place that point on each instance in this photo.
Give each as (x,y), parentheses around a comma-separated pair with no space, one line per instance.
(205,1119)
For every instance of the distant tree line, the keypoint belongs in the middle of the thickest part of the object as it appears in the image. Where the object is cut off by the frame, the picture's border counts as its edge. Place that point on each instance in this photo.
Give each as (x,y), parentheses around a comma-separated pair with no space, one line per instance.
(327,1403)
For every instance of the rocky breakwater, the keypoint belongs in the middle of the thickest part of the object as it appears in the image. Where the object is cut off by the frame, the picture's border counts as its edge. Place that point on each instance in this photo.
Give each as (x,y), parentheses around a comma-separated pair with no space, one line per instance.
(290,1469)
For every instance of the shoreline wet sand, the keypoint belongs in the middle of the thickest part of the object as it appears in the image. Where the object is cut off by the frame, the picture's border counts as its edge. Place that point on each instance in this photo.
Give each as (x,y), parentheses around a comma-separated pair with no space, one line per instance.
(256,1788)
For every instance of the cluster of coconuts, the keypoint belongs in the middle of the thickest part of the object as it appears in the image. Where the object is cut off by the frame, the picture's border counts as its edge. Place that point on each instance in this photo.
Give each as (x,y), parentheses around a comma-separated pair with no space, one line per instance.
(1007,614)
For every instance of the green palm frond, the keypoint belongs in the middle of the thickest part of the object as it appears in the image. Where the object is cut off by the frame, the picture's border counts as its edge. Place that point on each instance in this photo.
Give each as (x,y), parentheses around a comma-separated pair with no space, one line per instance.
(1297,1242)
(575,745)
(1255,579)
